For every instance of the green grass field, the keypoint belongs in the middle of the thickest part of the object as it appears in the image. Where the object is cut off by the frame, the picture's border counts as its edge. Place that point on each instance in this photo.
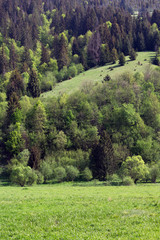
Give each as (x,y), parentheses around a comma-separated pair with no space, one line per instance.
(73,211)
(97,74)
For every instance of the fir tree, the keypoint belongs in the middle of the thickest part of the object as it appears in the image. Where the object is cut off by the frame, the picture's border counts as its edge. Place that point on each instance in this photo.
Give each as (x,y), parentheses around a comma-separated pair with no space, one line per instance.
(34,84)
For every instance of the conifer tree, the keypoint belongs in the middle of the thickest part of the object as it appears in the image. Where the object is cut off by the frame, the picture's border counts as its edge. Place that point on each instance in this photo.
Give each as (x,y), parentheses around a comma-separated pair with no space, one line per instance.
(13,57)
(63,58)
(15,85)
(45,55)
(3,61)
(102,161)
(93,50)
(34,84)
(122,59)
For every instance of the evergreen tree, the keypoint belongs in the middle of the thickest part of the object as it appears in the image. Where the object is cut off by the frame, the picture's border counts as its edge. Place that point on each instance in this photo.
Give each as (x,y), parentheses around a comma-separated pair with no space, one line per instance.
(13,57)
(3,61)
(102,161)
(15,84)
(63,58)
(93,49)
(132,54)
(122,59)
(114,55)
(45,55)
(34,84)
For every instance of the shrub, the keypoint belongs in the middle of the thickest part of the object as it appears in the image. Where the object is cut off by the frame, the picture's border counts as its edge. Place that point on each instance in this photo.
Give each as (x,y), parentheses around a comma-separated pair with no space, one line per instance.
(72,173)
(107,78)
(115,179)
(80,68)
(86,174)
(23,175)
(128,181)
(31,176)
(46,86)
(46,170)
(72,71)
(40,177)
(154,173)
(60,174)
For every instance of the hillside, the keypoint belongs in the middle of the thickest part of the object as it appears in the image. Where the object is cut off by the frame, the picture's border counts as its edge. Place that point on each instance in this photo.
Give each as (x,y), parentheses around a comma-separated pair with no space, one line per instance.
(141,64)
(52,47)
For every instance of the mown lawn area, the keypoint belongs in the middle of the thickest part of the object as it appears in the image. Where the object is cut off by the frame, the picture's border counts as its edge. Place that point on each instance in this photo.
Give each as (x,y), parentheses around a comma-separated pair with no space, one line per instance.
(80,211)
(141,64)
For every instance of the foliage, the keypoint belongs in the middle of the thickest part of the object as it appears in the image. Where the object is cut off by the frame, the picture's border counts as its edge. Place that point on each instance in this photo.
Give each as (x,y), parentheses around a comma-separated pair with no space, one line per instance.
(46,171)
(33,84)
(86,174)
(23,175)
(72,173)
(128,181)
(154,172)
(134,167)
(122,59)
(60,174)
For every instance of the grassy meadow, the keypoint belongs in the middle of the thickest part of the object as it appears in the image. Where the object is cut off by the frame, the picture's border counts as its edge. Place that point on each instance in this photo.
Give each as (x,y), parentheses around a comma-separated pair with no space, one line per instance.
(97,74)
(80,211)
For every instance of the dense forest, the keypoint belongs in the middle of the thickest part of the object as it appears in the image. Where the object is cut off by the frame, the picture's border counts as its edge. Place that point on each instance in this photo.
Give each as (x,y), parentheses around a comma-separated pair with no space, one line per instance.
(100,130)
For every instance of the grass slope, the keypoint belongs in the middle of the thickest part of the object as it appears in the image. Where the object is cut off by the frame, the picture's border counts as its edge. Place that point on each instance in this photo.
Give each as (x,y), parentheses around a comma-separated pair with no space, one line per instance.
(97,74)
(73,212)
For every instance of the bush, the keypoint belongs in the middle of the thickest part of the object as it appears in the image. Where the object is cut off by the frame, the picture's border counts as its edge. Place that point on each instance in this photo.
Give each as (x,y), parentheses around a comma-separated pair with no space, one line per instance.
(60,174)
(23,175)
(115,180)
(46,86)
(31,176)
(40,177)
(86,174)
(154,173)
(128,181)
(72,173)
(80,68)
(72,71)
(46,170)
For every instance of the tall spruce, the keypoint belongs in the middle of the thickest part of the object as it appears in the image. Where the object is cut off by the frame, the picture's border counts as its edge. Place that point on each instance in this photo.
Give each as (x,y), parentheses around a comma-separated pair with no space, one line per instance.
(102,162)
(34,84)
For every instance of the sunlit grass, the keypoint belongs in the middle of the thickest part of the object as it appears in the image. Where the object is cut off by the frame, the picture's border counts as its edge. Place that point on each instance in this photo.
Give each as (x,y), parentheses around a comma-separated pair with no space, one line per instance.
(98,74)
(73,211)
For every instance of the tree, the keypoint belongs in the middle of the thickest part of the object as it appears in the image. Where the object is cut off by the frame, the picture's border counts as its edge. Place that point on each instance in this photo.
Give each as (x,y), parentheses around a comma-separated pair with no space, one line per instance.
(45,55)
(134,167)
(132,54)
(36,119)
(14,142)
(13,57)
(3,61)
(34,84)
(15,85)
(63,58)
(22,175)
(122,59)
(102,161)
(114,55)
(93,49)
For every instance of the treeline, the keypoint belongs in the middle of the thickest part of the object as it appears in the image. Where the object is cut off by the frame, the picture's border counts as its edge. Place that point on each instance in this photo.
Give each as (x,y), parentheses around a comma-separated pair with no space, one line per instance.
(89,134)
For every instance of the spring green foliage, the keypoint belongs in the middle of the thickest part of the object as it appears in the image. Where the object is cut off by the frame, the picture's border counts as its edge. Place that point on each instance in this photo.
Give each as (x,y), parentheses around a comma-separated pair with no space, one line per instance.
(134,167)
